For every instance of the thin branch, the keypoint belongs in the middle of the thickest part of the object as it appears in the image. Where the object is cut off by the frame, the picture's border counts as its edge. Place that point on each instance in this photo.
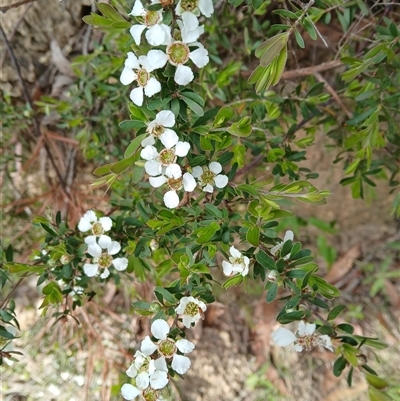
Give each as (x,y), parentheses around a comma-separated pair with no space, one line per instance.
(4,9)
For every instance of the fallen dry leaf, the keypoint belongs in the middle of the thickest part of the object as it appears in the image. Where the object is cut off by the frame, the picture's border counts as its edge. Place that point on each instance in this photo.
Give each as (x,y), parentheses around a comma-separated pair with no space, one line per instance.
(344,264)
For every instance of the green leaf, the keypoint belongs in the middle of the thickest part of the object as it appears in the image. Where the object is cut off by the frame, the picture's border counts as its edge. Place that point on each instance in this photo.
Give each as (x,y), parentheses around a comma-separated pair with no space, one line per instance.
(265,261)
(102,170)
(335,312)
(134,146)
(377,395)
(242,128)
(272,45)
(128,125)
(347,328)
(290,317)
(233,281)
(299,39)
(96,20)
(376,381)
(310,28)
(9,254)
(162,294)
(339,366)
(194,96)
(195,107)
(253,236)
(248,189)
(272,292)
(110,12)
(325,289)
(224,114)
(122,165)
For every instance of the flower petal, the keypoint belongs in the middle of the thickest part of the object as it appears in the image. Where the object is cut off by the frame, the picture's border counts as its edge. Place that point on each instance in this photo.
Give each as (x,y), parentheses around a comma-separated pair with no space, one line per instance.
(283,337)
(152,87)
(184,346)
(171,199)
(326,342)
(148,141)
(288,236)
(84,224)
(132,371)
(90,269)
(136,96)
(215,167)
(180,364)
(105,274)
(183,75)
(221,181)
(142,380)
(136,32)
(158,380)
(160,328)
(153,167)
(156,59)
(166,118)
(169,139)
(132,61)
(206,7)
(127,76)
(227,268)
(94,250)
(234,252)
(189,183)
(149,153)
(157,182)
(113,248)
(91,239)
(306,329)
(137,9)
(208,188)
(105,241)
(161,364)
(197,172)
(173,171)
(199,57)
(155,35)
(147,346)
(106,223)
(129,392)
(120,264)
(182,149)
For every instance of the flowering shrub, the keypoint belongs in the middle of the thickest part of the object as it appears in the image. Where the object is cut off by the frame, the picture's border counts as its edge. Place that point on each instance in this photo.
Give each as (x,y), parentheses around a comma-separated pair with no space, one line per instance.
(193,203)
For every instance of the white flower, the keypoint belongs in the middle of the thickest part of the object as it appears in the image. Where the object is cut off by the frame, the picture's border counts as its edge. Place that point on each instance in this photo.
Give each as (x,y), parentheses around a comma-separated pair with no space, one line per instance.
(191,309)
(148,372)
(167,157)
(163,122)
(130,392)
(195,7)
(175,183)
(210,177)
(237,263)
(168,347)
(157,32)
(288,236)
(89,221)
(103,260)
(139,69)
(178,52)
(305,338)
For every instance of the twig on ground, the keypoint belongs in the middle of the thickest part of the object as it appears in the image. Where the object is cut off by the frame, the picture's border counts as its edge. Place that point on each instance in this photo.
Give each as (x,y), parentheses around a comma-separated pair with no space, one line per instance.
(35,122)
(4,9)
(14,30)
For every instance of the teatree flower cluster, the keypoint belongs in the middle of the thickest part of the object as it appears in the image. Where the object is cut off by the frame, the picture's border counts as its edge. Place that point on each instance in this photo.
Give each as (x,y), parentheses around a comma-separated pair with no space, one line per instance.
(101,247)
